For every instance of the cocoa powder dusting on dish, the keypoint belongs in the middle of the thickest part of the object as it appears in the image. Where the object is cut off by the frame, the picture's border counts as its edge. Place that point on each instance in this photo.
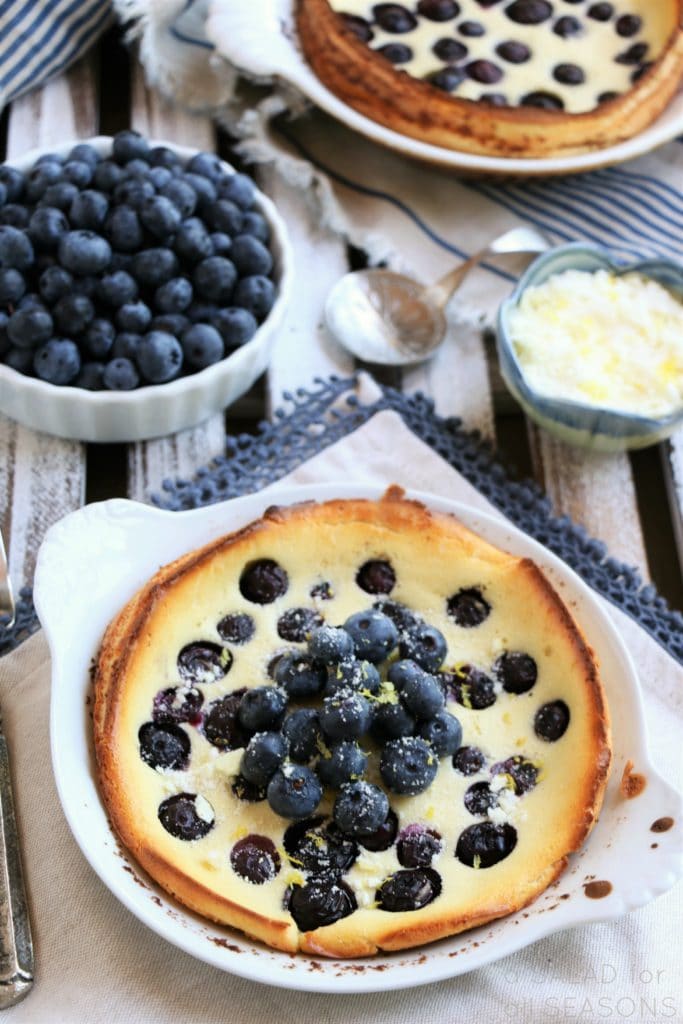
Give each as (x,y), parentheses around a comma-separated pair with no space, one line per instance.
(653,846)
(662,825)
(224,944)
(632,783)
(597,890)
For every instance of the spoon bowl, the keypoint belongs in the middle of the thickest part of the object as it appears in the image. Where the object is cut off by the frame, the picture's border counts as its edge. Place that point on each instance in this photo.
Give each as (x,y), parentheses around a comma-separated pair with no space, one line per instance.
(391,319)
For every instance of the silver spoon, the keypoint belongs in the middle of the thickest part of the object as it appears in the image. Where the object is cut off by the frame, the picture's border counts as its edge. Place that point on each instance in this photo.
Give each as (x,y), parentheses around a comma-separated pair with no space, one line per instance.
(384,317)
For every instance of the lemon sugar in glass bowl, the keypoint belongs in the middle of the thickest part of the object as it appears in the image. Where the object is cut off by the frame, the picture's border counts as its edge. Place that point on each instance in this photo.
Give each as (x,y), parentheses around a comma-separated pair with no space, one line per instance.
(159,409)
(594,423)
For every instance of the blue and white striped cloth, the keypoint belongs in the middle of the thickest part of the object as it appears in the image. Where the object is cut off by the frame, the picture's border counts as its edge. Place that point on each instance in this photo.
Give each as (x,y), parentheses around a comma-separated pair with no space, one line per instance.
(40,38)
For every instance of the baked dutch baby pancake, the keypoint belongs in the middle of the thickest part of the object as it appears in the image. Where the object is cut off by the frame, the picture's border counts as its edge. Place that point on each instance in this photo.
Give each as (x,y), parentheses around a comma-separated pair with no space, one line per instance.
(505,78)
(350,726)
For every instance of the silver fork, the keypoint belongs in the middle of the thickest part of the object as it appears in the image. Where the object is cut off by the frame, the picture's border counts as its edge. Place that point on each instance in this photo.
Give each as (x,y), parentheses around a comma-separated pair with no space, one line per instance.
(16,945)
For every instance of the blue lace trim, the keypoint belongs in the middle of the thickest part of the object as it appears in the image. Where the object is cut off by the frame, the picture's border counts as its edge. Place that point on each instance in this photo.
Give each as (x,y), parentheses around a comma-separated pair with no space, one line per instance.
(318,416)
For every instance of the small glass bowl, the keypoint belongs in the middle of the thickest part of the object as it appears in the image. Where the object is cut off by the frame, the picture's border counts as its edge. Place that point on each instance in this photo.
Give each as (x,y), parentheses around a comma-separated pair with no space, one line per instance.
(588,426)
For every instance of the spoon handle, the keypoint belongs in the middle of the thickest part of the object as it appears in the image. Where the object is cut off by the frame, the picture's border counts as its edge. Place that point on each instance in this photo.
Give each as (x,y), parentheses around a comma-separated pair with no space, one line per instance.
(518,240)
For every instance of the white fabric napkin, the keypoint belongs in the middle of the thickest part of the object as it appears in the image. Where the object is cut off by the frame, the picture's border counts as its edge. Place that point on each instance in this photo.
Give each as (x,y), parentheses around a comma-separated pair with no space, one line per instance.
(97,963)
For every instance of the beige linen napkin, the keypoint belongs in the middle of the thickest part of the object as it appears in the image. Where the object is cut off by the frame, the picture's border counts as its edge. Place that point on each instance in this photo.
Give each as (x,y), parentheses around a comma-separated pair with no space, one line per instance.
(97,963)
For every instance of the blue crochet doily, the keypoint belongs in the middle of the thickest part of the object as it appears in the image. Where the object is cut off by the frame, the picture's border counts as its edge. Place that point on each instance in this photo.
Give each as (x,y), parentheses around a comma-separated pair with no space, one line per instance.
(323,414)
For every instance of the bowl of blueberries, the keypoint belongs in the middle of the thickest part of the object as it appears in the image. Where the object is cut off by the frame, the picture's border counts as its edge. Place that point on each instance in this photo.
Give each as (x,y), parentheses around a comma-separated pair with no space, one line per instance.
(141,287)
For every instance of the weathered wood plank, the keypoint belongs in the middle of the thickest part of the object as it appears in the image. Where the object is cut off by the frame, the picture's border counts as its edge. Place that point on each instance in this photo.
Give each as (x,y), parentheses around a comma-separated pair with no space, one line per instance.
(672,460)
(42,477)
(303,348)
(150,462)
(596,490)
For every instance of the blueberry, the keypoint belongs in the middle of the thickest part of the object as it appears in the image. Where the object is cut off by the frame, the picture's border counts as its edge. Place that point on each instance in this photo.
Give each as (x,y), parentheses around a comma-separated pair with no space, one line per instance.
(376,577)
(162,156)
(178,704)
(263,581)
(263,707)
(151,267)
(19,359)
(235,326)
(628,25)
(529,12)
(323,900)
(160,216)
(408,765)
(360,808)
(204,188)
(255,294)
(123,229)
(391,721)
(404,671)
(484,71)
(221,725)
(215,278)
(126,346)
(12,286)
(449,50)
(117,289)
(471,688)
(515,52)
(78,172)
(14,182)
(255,859)
(468,608)
(383,837)
(422,696)
(16,250)
(203,662)
(30,301)
(30,327)
(374,635)
(54,283)
(58,361)
(133,193)
(201,312)
(239,189)
(485,844)
(299,675)
(566,27)
(601,12)
(352,674)
(159,357)
(224,215)
(164,746)
(633,55)
(182,195)
(296,624)
(346,715)
(542,100)
(40,177)
(46,227)
(301,729)
(221,243)
(443,732)
(524,773)
(59,196)
(417,846)
(172,323)
(180,816)
(202,345)
(133,316)
(294,791)
(447,79)
(394,18)
(346,763)
(314,848)
(330,645)
(263,755)
(468,760)
(247,791)
(438,10)
(400,615)
(250,256)
(237,628)
(120,375)
(425,644)
(321,591)
(160,178)
(480,798)
(208,165)
(89,210)
(73,313)
(551,721)
(254,223)
(569,74)
(90,377)
(129,145)
(358,26)
(84,252)
(107,175)
(86,285)
(86,153)
(407,890)
(14,216)
(517,671)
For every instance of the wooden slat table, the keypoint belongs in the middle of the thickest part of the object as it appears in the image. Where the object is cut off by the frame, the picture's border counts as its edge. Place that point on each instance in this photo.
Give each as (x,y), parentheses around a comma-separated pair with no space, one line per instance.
(634,504)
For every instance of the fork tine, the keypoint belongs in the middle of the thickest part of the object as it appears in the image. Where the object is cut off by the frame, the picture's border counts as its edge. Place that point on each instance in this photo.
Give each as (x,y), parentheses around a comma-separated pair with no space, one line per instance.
(6,595)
